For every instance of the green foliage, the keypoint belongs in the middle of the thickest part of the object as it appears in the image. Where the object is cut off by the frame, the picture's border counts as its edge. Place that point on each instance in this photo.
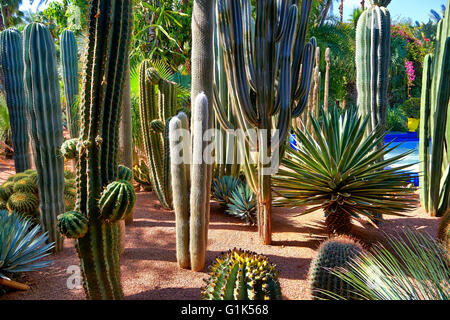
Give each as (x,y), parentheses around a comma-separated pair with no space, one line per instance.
(223,187)
(242,275)
(23,245)
(333,253)
(338,169)
(396,120)
(411,108)
(413,266)
(242,204)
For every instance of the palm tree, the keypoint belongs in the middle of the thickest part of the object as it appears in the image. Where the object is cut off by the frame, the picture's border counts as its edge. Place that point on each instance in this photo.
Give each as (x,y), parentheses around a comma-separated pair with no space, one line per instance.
(9,8)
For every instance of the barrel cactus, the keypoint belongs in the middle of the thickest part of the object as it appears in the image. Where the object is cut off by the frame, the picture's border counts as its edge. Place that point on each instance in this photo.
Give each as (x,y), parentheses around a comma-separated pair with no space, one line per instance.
(44,108)
(373,57)
(69,63)
(125,173)
(69,149)
(11,60)
(24,203)
(333,253)
(97,160)
(117,201)
(73,224)
(242,275)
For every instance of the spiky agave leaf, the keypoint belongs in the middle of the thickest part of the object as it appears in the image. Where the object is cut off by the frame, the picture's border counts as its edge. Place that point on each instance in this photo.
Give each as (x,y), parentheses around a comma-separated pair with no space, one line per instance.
(243,204)
(22,249)
(338,169)
(418,268)
(223,188)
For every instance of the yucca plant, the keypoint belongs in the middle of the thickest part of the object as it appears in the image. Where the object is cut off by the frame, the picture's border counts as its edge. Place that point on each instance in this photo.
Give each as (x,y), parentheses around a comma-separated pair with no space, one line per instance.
(416,267)
(243,204)
(337,169)
(22,246)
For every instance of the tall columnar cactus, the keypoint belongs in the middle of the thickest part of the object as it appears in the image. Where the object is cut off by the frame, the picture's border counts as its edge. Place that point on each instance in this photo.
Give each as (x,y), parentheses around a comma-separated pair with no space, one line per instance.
(189,182)
(157,104)
(101,198)
(434,124)
(334,253)
(42,91)
(444,230)
(268,68)
(373,57)
(11,59)
(69,62)
(327,80)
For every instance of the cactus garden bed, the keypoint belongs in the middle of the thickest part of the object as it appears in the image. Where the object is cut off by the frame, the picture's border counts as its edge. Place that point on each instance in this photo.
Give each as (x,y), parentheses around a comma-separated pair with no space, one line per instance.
(148,264)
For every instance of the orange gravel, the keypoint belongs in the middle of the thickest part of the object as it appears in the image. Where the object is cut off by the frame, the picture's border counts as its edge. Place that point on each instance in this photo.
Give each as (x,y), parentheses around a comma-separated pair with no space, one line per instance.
(148,264)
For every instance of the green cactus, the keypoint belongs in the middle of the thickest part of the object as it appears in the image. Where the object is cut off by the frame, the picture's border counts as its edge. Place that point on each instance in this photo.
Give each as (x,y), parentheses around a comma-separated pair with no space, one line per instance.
(243,204)
(435,169)
(69,149)
(3,205)
(333,253)
(189,183)
(223,187)
(6,190)
(42,91)
(117,201)
(444,230)
(25,185)
(156,106)
(373,57)
(125,173)
(242,275)
(73,224)
(269,83)
(69,63)
(97,163)
(24,203)
(11,60)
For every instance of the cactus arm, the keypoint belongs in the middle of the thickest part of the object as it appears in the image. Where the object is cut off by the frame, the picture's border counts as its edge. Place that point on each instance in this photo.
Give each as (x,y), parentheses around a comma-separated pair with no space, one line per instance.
(248,26)
(327,79)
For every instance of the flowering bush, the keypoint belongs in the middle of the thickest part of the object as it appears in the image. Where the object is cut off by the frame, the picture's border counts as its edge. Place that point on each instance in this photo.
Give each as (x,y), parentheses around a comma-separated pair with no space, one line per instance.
(409,66)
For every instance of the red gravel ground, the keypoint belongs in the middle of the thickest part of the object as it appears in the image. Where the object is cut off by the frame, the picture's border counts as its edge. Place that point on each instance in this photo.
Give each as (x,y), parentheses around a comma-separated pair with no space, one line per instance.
(148,264)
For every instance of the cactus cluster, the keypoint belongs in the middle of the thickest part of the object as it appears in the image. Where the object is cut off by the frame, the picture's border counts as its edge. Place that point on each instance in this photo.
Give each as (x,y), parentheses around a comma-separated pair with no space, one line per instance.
(98,188)
(373,57)
(333,253)
(157,104)
(69,63)
(434,179)
(11,60)
(242,275)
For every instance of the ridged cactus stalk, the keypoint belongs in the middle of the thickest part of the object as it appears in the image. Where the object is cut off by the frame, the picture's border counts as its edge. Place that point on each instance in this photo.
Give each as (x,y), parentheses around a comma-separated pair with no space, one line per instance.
(435,125)
(444,230)
(373,57)
(157,104)
(242,275)
(190,185)
(327,79)
(69,63)
(102,200)
(269,66)
(11,59)
(42,91)
(333,253)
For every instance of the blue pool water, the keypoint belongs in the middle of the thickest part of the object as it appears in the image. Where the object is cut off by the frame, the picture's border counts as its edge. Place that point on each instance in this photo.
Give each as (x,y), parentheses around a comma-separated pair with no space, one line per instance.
(405,142)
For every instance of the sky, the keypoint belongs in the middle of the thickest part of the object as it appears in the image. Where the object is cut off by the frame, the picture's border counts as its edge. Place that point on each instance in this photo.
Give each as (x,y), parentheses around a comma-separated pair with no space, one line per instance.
(400,9)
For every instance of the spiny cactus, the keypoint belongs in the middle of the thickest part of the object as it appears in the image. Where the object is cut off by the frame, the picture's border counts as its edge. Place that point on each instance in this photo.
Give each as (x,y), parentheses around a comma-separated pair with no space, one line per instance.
(373,57)
(156,106)
(125,173)
(73,224)
(109,30)
(69,149)
(24,203)
(242,275)
(190,185)
(434,179)
(44,103)
(69,62)
(11,60)
(117,201)
(25,185)
(223,187)
(333,253)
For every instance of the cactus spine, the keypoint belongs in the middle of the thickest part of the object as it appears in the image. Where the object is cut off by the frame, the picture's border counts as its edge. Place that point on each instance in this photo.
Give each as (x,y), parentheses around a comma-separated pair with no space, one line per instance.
(157,104)
(269,69)
(109,30)
(42,90)
(189,181)
(373,56)
(11,59)
(69,62)
(434,123)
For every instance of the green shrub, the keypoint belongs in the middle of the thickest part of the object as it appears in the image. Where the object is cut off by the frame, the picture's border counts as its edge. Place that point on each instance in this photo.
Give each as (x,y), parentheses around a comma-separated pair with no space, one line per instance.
(411,108)
(396,120)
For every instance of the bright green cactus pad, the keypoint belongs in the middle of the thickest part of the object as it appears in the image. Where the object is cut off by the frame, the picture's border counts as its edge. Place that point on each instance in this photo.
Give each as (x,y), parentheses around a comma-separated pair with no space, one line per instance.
(117,201)
(26,203)
(73,224)
(125,173)
(242,275)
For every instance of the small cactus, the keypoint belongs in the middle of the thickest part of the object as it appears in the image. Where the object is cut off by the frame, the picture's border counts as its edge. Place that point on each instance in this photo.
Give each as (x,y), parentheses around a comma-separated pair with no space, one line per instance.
(72,224)
(117,201)
(25,203)
(125,173)
(334,253)
(242,275)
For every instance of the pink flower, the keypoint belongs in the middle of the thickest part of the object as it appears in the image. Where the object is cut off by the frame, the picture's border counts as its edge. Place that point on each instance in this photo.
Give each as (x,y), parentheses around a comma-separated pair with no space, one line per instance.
(409,66)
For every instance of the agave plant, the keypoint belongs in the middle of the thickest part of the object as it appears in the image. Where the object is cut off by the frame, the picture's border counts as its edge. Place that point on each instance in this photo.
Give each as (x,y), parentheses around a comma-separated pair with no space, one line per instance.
(338,169)
(22,245)
(223,187)
(418,268)
(243,204)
